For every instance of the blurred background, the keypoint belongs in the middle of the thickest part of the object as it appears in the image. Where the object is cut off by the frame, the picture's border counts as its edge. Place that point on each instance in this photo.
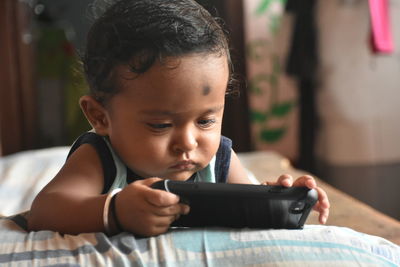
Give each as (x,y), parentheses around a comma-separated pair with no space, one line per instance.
(316,87)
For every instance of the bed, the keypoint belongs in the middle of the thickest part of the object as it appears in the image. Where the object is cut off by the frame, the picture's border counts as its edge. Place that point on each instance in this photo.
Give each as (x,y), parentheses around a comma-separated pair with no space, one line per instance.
(356,234)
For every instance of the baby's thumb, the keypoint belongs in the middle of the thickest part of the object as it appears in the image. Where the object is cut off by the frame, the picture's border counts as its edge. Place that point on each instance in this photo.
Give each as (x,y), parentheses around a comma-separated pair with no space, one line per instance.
(149,181)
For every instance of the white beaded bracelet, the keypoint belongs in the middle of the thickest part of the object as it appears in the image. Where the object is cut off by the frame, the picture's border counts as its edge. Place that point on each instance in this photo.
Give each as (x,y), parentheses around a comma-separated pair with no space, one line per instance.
(106,209)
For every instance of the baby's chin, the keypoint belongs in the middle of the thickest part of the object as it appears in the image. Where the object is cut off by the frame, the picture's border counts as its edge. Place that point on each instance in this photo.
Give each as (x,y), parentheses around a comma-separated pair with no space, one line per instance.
(179,176)
(173,174)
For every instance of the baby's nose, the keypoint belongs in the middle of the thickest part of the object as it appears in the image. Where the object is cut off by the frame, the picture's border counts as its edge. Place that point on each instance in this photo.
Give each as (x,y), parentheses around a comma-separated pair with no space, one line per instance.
(185,141)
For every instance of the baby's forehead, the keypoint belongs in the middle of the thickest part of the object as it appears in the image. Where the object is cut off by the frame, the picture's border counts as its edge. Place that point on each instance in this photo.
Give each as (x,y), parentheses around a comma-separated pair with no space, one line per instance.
(168,62)
(203,74)
(170,65)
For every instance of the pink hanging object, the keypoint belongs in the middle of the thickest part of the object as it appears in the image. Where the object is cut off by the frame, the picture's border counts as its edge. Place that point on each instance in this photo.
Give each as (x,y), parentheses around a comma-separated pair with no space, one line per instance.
(381,36)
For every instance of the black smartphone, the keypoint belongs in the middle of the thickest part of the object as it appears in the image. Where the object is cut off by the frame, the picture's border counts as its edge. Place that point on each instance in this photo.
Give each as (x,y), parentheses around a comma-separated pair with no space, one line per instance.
(241,205)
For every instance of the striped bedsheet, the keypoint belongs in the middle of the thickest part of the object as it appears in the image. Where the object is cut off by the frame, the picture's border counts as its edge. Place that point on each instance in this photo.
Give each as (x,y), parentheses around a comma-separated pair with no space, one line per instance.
(312,246)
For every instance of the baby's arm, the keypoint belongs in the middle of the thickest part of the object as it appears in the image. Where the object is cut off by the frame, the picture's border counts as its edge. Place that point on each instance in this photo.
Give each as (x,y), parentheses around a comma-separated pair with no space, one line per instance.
(72,202)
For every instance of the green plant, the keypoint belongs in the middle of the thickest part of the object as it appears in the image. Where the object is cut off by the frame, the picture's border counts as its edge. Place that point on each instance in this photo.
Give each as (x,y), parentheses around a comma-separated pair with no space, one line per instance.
(259,51)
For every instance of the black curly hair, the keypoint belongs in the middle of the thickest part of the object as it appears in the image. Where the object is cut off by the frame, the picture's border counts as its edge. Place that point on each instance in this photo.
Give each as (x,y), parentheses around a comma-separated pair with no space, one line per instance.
(140,32)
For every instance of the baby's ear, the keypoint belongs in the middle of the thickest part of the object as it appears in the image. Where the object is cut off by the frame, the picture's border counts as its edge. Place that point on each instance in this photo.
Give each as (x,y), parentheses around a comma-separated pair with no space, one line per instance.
(95,113)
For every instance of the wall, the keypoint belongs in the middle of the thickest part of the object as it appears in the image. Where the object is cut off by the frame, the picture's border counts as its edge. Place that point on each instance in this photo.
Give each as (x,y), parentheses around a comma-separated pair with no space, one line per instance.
(17,110)
(272,94)
(61,28)
(74,14)
(358,145)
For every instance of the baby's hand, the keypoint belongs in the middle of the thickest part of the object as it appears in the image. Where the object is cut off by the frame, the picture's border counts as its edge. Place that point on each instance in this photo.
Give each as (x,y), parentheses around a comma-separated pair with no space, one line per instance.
(322,206)
(146,211)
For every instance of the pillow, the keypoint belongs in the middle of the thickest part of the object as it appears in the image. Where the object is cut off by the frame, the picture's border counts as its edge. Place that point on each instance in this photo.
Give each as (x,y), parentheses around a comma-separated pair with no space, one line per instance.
(24,174)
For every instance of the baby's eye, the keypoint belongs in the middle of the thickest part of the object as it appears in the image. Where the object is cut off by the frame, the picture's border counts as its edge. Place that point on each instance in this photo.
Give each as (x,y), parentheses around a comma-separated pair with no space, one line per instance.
(159,126)
(206,123)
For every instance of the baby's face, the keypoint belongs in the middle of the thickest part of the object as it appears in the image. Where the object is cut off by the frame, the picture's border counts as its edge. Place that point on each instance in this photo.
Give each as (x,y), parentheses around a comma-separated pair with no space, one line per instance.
(167,122)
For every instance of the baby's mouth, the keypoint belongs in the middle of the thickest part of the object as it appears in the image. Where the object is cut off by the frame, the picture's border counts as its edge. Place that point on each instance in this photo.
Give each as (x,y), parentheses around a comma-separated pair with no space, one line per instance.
(185,165)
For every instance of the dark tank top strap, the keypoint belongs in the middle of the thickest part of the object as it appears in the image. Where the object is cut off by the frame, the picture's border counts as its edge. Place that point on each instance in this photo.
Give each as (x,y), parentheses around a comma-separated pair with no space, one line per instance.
(223,160)
(104,153)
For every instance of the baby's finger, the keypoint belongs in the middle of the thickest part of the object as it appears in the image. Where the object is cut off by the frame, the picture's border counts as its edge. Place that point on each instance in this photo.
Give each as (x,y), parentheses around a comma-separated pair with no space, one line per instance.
(285,180)
(322,205)
(172,210)
(323,216)
(166,211)
(148,181)
(166,221)
(185,209)
(160,198)
(323,213)
(305,180)
(322,197)
(158,226)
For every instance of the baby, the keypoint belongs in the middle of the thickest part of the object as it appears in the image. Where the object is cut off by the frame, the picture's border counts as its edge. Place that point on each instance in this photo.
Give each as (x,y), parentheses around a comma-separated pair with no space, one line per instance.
(159,72)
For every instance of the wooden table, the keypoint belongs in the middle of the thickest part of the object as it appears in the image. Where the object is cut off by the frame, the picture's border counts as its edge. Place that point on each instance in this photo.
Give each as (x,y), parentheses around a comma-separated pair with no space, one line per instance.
(345,210)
